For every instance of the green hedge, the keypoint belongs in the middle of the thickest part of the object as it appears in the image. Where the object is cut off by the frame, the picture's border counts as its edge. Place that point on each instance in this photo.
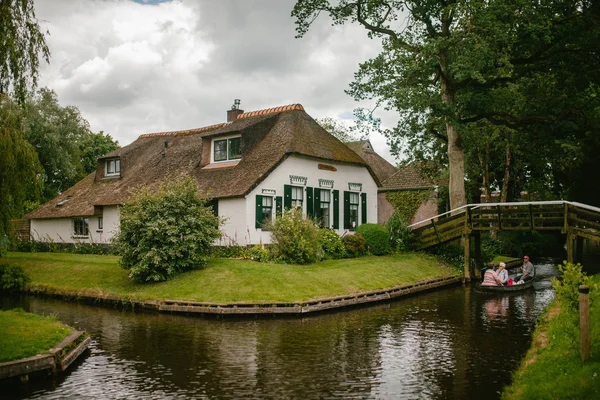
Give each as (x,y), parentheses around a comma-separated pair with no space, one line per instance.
(377,237)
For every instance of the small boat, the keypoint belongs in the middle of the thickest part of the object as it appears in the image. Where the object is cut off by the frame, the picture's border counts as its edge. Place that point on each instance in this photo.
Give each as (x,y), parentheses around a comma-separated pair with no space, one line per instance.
(505,289)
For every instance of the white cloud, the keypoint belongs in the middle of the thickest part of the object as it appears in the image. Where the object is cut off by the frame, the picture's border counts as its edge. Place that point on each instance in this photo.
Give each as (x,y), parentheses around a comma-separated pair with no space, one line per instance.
(134,68)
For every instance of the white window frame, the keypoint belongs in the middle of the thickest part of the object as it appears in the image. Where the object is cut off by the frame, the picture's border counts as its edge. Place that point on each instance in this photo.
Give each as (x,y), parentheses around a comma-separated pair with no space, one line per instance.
(116,163)
(297,189)
(351,208)
(227,158)
(328,208)
(86,225)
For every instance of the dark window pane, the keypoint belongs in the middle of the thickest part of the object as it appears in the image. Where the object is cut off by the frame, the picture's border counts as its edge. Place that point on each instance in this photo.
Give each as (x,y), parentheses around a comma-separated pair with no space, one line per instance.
(235,151)
(220,150)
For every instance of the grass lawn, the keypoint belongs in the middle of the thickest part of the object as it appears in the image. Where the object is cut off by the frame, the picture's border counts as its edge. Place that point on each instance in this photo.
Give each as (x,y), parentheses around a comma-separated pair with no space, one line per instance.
(23,334)
(227,280)
(552,369)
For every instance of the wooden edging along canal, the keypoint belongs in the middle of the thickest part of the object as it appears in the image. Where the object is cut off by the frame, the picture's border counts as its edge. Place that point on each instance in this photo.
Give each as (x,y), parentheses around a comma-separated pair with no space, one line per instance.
(54,360)
(297,308)
(304,307)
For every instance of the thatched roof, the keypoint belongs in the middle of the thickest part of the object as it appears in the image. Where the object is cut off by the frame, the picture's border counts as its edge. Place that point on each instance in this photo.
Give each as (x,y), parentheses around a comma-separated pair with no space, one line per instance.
(411,176)
(267,138)
(380,166)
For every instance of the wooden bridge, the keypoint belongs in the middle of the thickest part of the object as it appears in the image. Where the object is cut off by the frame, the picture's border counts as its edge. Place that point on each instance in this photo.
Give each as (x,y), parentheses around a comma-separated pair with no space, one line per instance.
(576,220)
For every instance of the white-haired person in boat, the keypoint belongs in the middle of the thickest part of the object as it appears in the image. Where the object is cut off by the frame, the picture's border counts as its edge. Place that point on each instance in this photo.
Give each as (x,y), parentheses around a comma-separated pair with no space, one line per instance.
(502,273)
(491,278)
(528,270)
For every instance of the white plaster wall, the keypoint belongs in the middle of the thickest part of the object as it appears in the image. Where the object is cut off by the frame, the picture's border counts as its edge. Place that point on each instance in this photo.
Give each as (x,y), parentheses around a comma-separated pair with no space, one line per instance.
(307,167)
(234,212)
(60,230)
(111,223)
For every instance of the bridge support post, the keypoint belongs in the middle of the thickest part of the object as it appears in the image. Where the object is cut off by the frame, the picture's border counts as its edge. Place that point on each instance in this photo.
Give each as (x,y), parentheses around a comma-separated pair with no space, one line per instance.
(571,247)
(478,266)
(579,249)
(467,242)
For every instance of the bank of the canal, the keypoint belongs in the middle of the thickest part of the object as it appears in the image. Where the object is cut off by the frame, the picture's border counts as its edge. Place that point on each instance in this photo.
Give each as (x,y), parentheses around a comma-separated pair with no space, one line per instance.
(227,286)
(552,368)
(31,343)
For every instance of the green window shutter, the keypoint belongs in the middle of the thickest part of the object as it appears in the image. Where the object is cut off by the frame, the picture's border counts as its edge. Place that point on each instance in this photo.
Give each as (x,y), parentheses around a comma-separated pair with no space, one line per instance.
(309,202)
(346,210)
(287,197)
(259,216)
(363,203)
(278,205)
(336,209)
(317,203)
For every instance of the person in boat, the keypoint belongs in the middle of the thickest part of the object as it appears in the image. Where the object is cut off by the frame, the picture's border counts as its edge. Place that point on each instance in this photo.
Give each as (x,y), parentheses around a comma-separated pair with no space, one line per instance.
(502,273)
(490,278)
(484,269)
(528,270)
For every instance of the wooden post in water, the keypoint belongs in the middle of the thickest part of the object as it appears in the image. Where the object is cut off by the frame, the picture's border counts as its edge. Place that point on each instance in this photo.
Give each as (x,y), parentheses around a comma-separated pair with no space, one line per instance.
(584,321)
(467,242)
(477,254)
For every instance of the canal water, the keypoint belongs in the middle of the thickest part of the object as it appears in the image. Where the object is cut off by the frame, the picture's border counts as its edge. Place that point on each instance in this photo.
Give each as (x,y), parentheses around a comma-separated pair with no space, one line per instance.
(451,343)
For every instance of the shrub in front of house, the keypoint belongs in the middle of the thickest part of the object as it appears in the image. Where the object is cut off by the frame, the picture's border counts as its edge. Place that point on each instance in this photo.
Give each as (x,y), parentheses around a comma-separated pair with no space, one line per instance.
(356,244)
(12,278)
(377,237)
(331,243)
(165,233)
(258,253)
(294,238)
(400,235)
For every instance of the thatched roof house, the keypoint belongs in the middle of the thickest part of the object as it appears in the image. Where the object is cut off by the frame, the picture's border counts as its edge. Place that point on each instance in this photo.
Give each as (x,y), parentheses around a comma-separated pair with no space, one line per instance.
(252,154)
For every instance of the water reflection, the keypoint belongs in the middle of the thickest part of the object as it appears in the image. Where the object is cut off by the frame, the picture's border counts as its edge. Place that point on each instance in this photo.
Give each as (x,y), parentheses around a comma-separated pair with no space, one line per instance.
(451,343)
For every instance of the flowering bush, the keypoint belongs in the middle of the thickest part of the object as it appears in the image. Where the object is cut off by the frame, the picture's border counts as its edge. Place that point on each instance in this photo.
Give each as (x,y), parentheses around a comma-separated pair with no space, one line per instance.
(295,238)
(258,253)
(165,233)
(331,243)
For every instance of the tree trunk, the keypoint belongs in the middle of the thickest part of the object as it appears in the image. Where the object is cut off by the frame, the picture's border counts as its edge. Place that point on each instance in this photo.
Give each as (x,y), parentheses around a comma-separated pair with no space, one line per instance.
(456,152)
(506,181)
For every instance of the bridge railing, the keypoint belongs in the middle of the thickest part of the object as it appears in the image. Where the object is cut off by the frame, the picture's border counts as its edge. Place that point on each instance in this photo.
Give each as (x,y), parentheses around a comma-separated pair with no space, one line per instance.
(578,218)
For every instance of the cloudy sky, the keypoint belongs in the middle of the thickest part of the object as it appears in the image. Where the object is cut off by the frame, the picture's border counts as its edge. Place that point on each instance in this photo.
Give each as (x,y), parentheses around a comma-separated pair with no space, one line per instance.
(135,67)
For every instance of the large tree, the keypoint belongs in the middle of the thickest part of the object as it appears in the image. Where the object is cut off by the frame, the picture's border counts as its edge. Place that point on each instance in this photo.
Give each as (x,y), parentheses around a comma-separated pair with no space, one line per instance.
(22,42)
(19,167)
(66,146)
(446,64)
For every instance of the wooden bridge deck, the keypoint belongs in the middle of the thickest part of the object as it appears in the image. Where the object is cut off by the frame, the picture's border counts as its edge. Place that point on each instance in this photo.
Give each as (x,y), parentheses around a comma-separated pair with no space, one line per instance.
(576,220)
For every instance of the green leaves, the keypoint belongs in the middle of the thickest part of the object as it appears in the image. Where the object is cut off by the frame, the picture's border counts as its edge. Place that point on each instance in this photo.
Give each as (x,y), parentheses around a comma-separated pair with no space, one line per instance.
(19,167)
(21,44)
(165,233)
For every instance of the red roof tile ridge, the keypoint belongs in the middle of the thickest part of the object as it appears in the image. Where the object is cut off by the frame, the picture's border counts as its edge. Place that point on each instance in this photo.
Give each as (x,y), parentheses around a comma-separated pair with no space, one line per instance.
(271,110)
(183,132)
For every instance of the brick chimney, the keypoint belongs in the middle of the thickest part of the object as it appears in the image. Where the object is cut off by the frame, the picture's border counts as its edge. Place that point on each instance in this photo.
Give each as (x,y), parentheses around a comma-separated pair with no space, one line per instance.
(235,111)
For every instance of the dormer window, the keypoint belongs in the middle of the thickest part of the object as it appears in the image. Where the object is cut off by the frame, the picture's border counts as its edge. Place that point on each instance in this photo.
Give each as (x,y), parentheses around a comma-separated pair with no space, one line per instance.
(113,167)
(227,149)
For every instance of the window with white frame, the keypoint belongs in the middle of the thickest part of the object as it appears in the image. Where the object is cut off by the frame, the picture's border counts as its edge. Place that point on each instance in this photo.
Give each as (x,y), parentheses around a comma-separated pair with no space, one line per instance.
(297,196)
(354,202)
(227,149)
(81,227)
(267,209)
(324,207)
(113,167)
(100,223)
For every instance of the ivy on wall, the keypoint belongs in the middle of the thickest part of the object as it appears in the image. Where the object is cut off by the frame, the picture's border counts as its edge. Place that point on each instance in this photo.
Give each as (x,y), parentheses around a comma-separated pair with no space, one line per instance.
(407,202)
